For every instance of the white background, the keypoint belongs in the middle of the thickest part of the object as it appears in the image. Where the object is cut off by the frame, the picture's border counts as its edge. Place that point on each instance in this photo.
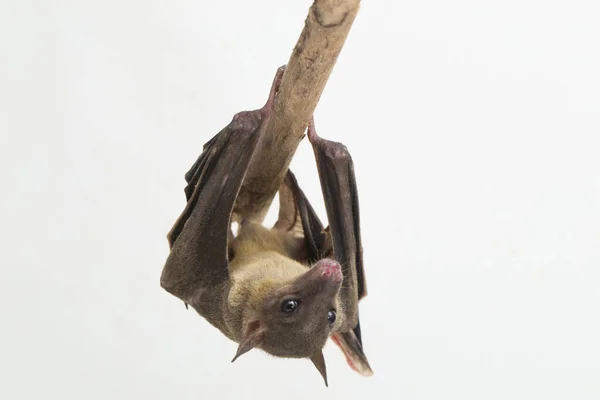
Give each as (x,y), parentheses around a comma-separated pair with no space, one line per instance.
(474,130)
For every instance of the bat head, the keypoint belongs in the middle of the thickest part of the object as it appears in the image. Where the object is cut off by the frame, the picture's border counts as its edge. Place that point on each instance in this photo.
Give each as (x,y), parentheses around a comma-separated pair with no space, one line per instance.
(297,317)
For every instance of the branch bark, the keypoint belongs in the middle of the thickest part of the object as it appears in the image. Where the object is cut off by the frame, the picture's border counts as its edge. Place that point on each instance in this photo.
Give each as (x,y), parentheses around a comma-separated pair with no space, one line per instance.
(306,74)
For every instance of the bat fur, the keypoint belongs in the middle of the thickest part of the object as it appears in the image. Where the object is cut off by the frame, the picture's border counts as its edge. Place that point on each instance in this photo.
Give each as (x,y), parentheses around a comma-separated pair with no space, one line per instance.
(286,289)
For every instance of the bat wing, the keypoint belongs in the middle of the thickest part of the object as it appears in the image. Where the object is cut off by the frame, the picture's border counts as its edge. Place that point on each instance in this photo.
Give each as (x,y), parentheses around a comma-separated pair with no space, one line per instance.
(198,261)
(198,239)
(315,238)
(336,174)
(338,183)
(341,239)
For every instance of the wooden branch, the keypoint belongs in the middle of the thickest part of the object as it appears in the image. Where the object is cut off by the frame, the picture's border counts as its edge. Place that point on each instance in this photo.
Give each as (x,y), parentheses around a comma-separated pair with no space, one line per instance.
(308,70)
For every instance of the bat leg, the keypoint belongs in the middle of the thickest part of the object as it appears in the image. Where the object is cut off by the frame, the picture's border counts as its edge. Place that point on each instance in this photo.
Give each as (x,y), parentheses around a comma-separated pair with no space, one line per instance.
(338,183)
(295,211)
(288,219)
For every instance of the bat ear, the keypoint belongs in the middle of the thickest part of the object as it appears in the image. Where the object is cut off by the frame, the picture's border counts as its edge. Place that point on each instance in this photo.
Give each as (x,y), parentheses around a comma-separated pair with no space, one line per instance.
(253,336)
(352,349)
(319,361)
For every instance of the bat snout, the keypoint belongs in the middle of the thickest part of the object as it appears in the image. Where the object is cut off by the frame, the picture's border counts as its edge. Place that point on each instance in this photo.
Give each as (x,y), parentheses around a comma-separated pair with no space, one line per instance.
(330,270)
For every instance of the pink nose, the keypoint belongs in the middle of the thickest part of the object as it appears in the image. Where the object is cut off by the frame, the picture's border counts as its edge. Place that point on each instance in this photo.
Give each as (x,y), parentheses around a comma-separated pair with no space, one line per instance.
(331,269)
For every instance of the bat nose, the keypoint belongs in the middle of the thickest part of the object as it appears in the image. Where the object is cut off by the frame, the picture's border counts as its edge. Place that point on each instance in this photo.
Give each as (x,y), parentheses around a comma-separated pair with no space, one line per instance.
(330,270)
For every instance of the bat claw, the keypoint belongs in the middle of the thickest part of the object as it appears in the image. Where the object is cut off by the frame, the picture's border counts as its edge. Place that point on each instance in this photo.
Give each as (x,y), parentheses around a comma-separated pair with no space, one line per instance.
(270,104)
(312,132)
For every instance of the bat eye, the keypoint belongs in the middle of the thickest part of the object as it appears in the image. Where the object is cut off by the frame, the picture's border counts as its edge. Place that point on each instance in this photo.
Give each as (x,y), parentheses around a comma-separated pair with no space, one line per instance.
(289,306)
(331,317)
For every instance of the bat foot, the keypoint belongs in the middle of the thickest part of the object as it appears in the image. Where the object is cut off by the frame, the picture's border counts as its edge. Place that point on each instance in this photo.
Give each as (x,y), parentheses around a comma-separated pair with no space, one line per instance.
(335,151)
(312,132)
(269,106)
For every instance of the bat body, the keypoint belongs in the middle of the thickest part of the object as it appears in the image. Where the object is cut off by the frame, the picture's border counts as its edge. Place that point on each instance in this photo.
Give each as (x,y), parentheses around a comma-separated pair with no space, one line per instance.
(286,289)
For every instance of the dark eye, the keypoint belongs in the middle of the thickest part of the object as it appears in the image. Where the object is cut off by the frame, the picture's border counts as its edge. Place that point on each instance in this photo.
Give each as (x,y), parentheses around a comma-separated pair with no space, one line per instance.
(331,316)
(289,306)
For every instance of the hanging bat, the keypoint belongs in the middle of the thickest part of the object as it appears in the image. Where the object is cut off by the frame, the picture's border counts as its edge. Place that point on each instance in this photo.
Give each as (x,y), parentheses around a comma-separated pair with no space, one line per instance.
(286,289)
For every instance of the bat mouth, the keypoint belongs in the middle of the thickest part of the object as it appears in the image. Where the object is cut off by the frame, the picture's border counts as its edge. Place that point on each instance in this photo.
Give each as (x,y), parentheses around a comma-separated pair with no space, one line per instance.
(330,271)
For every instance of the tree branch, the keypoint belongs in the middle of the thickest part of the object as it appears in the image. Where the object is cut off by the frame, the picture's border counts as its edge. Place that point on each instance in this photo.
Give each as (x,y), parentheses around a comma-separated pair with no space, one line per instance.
(308,70)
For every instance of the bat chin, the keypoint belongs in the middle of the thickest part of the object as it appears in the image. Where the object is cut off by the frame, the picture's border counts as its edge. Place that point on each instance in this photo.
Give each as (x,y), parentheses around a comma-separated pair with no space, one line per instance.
(292,353)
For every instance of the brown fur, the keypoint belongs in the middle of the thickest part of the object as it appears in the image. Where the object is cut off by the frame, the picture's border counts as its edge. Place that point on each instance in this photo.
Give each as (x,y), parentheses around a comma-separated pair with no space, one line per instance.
(271,289)
(263,271)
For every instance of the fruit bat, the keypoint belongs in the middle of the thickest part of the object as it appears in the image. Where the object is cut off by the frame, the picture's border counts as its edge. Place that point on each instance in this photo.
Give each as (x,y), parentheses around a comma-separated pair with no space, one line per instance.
(286,289)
